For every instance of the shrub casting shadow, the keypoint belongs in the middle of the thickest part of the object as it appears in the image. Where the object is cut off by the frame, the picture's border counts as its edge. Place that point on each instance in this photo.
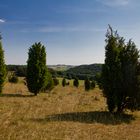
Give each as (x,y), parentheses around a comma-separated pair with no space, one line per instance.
(89,117)
(15,95)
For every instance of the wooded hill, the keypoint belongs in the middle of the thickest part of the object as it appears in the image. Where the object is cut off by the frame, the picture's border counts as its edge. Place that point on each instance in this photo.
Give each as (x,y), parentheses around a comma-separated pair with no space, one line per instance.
(83,71)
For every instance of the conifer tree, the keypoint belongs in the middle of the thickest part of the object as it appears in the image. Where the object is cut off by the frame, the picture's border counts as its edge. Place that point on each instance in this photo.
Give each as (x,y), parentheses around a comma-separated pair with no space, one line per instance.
(87,84)
(92,84)
(56,81)
(2,66)
(64,82)
(36,68)
(120,73)
(76,82)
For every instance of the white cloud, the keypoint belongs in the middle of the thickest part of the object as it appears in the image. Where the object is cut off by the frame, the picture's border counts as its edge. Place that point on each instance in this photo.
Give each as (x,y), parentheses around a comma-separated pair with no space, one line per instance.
(113,3)
(70,29)
(2,21)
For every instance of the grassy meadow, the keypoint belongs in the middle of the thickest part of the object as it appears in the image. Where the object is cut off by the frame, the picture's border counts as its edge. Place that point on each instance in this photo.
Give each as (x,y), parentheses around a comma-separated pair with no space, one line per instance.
(65,113)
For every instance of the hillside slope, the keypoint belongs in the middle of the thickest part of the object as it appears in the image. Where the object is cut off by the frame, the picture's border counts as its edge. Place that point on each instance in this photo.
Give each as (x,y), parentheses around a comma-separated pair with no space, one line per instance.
(84,71)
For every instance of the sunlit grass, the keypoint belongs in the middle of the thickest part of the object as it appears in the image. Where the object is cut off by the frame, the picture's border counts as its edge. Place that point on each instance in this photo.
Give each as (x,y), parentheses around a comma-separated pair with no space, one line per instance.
(62,114)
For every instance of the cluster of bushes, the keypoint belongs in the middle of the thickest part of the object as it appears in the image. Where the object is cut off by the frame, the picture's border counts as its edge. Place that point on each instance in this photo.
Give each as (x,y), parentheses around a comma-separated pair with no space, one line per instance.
(87,84)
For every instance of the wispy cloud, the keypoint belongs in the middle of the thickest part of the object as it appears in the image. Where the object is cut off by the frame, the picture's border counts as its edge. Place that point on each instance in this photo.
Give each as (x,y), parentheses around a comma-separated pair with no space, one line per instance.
(63,29)
(70,29)
(113,3)
(2,21)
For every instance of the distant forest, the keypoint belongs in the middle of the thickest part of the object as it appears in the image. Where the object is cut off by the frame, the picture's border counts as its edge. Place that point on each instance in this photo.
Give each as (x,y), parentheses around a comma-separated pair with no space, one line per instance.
(81,72)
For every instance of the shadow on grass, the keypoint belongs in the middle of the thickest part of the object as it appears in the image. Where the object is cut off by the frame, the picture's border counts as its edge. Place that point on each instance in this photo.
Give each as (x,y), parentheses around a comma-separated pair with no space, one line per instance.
(15,95)
(89,117)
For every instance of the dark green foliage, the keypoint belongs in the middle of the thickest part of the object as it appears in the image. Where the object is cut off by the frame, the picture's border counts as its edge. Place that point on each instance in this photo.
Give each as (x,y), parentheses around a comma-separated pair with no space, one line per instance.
(83,71)
(36,69)
(19,70)
(13,79)
(87,84)
(92,84)
(120,72)
(98,79)
(76,82)
(60,73)
(64,82)
(2,67)
(68,76)
(52,72)
(56,81)
(50,83)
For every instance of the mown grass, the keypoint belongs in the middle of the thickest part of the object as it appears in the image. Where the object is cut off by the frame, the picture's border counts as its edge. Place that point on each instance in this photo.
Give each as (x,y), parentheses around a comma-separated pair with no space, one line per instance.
(65,113)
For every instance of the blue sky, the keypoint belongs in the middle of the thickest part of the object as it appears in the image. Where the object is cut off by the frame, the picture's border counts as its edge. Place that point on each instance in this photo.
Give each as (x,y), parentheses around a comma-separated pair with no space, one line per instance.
(73,31)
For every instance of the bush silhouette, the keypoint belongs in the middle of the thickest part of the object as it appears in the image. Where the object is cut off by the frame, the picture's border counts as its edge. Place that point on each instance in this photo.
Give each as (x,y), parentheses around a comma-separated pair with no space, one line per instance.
(87,84)
(76,82)
(64,82)
(92,84)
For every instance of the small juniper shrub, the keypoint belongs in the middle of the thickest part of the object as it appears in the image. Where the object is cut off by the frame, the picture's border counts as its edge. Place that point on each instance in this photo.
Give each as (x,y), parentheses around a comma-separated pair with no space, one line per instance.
(76,82)
(87,84)
(64,82)
(56,81)
(92,84)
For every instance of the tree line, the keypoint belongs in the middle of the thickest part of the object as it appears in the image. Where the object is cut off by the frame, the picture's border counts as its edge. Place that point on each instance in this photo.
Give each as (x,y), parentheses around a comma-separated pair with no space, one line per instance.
(81,72)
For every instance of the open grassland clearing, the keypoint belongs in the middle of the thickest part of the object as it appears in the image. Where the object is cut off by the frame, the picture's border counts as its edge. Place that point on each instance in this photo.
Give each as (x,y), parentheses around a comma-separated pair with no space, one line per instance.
(67,113)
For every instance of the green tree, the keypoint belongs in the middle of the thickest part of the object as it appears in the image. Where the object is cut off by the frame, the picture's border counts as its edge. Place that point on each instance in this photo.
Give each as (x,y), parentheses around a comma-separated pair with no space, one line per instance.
(98,79)
(56,81)
(92,84)
(129,65)
(64,82)
(119,73)
(2,66)
(36,68)
(50,83)
(87,84)
(76,82)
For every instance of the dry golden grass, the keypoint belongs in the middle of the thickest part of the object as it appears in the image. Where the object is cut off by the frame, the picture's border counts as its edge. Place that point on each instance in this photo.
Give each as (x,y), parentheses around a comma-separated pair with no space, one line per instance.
(63,114)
